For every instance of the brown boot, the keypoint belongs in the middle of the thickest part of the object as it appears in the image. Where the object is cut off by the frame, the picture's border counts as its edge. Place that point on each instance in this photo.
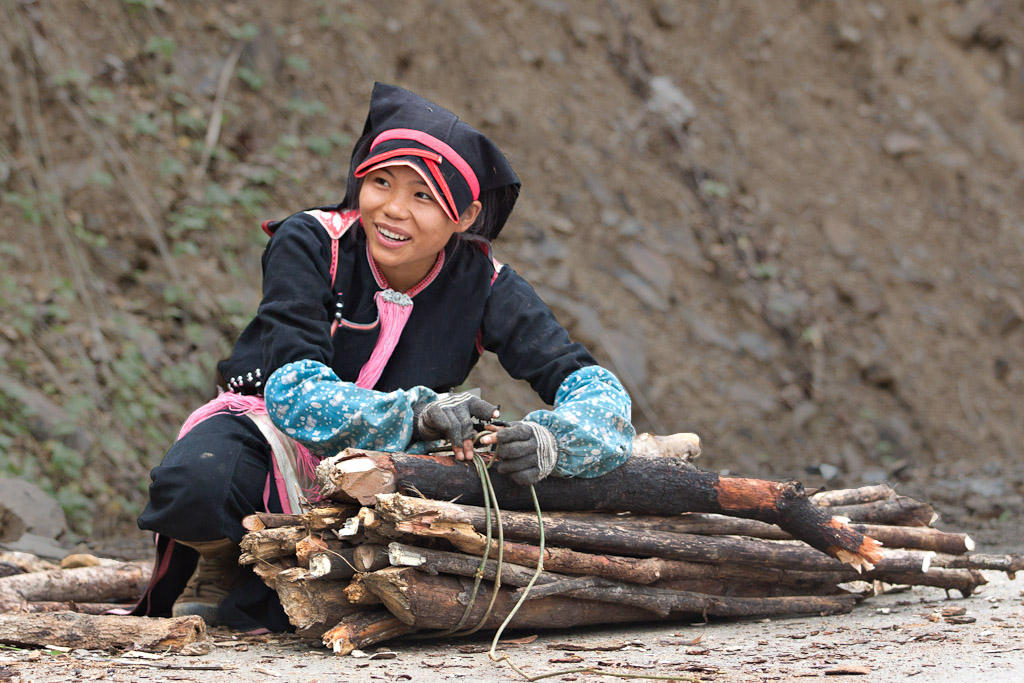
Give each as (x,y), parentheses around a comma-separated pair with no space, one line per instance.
(215,576)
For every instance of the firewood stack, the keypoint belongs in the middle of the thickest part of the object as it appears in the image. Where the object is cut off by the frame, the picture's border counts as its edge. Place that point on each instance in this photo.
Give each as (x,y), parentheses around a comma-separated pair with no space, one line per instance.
(386,553)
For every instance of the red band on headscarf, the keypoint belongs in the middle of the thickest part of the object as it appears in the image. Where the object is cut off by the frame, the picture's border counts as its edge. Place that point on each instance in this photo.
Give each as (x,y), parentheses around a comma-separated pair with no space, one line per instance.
(442,148)
(365,167)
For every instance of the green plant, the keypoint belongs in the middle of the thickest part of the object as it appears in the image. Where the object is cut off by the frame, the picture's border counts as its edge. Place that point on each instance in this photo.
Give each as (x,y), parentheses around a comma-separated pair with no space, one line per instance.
(246,32)
(73,76)
(714,188)
(161,45)
(251,78)
(297,62)
(145,124)
(306,107)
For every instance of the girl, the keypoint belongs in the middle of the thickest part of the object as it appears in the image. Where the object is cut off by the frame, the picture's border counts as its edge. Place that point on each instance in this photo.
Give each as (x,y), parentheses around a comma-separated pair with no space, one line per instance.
(370,308)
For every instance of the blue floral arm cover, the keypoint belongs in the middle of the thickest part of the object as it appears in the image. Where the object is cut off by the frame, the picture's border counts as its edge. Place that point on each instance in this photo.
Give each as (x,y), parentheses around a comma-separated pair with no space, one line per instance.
(591,423)
(308,402)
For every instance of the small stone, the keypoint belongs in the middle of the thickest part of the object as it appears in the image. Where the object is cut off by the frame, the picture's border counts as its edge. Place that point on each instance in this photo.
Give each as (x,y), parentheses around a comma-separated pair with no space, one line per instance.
(667,14)
(669,102)
(585,29)
(757,346)
(899,144)
(848,37)
(841,236)
(803,413)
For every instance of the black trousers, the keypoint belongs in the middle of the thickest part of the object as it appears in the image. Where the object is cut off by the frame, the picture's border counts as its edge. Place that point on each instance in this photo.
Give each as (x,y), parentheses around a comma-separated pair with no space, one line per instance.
(209,480)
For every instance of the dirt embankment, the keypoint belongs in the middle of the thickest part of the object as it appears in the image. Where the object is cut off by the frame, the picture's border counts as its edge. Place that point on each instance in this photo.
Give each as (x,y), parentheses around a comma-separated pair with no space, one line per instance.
(792,227)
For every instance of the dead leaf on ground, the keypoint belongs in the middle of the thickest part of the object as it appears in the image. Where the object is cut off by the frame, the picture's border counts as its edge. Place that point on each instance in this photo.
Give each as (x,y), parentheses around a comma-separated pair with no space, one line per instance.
(599,647)
(525,640)
(848,671)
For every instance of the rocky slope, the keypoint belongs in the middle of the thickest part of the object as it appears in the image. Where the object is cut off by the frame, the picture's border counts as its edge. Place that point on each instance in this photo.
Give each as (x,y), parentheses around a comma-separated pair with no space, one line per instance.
(792,227)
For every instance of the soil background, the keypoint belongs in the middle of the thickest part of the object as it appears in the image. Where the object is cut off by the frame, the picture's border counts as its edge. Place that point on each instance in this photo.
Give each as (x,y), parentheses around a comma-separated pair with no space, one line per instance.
(795,228)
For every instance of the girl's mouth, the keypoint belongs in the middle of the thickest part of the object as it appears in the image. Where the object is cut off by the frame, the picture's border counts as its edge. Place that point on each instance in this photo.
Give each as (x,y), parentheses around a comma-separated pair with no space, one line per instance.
(390,237)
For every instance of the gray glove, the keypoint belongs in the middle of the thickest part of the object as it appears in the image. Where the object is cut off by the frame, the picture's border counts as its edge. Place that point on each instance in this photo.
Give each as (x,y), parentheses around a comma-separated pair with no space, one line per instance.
(451,418)
(526,452)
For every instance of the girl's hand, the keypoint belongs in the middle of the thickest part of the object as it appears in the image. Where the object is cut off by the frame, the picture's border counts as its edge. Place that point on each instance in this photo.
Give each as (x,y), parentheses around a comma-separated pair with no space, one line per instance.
(526,451)
(451,418)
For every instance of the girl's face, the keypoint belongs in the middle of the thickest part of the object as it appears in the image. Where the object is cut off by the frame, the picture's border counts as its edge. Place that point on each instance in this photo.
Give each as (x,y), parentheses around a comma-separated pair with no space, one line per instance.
(405,226)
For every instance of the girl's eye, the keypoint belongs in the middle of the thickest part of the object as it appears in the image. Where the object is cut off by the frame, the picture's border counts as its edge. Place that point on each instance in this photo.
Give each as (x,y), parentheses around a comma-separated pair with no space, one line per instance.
(381,180)
(425,195)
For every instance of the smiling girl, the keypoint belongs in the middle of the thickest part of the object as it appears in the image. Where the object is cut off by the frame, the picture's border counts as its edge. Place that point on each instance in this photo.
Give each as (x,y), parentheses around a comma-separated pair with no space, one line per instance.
(370,309)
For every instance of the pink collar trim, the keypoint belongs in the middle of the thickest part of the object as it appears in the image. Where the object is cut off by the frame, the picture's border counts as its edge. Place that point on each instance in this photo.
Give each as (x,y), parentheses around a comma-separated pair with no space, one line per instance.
(382,281)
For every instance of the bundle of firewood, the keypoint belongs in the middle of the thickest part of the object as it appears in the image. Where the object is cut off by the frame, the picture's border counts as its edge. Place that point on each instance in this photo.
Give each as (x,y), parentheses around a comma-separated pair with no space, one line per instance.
(387,554)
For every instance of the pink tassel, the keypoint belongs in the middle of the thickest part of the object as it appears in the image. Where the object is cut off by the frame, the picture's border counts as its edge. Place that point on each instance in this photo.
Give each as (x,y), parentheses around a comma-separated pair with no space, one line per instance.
(226,402)
(393,310)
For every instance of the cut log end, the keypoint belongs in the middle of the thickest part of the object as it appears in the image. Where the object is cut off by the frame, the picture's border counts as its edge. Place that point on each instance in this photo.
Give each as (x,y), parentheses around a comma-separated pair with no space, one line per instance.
(857,550)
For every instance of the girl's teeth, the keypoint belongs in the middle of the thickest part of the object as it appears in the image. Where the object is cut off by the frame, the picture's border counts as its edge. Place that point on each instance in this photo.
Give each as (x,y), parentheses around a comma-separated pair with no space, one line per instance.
(391,235)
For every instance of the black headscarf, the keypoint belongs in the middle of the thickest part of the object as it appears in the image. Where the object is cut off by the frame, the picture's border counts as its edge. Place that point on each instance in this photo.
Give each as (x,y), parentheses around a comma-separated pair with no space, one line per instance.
(458,162)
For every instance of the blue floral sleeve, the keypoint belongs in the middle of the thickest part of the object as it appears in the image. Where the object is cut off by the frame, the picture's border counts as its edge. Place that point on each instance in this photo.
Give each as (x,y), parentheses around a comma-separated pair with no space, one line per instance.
(591,422)
(308,402)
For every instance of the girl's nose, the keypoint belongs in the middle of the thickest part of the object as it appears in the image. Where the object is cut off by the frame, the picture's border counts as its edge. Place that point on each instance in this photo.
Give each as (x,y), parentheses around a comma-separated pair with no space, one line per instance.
(395,206)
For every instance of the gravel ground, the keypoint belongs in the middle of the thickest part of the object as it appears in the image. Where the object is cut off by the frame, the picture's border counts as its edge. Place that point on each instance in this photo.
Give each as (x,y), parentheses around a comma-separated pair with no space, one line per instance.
(918,634)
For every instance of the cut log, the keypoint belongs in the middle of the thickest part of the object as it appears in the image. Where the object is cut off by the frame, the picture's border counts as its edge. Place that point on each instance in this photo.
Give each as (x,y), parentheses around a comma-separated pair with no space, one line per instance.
(270,544)
(370,557)
(415,515)
(358,594)
(642,485)
(427,602)
(900,511)
(684,446)
(362,629)
(123,581)
(314,519)
(965,581)
(334,564)
(864,494)
(101,632)
(25,562)
(268,571)
(312,603)
(306,547)
(70,606)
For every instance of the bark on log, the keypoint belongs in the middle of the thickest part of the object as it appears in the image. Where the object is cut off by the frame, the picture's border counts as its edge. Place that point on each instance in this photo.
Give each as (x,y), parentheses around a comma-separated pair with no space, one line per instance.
(312,603)
(425,601)
(899,511)
(362,629)
(270,544)
(590,588)
(706,524)
(905,568)
(99,632)
(314,519)
(25,562)
(963,580)
(123,581)
(1003,563)
(333,564)
(414,515)
(864,494)
(641,485)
